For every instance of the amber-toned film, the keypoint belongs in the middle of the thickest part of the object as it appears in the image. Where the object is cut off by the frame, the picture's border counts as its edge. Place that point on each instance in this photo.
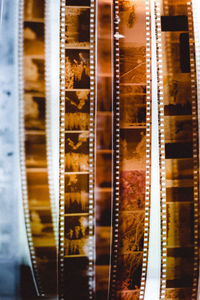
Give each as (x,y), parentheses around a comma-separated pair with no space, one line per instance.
(98,246)
(33,148)
(77,150)
(181,144)
(132,107)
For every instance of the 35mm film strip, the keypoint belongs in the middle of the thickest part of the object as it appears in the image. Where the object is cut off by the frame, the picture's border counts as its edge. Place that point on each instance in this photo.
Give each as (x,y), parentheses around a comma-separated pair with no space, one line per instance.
(132,151)
(181,150)
(33,150)
(104,149)
(77,150)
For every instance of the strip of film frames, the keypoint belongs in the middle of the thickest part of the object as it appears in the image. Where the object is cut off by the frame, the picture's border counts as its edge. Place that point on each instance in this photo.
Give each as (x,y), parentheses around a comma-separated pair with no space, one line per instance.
(177,47)
(104,147)
(179,166)
(34,158)
(77,151)
(132,140)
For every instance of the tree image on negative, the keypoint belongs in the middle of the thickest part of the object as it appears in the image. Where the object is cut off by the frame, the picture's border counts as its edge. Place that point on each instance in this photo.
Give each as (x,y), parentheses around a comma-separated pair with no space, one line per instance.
(131,232)
(77,24)
(129,272)
(77,68)
(76,202)
(76,236)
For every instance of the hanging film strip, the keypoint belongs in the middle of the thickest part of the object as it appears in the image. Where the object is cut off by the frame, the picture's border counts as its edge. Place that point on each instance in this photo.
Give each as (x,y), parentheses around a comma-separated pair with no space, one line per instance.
(195,136)
(181,150)
(77,155)
(104,151)
(33,150)
(132,139)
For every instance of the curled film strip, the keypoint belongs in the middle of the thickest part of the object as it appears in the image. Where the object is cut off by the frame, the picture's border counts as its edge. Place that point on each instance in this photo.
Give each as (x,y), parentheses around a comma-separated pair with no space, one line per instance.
(132,119)
(77,151)
(157,227)
(181,158)
(33,152)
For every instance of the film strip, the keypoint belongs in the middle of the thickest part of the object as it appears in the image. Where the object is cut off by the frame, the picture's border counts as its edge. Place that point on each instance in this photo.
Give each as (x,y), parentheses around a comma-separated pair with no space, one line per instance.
(148,149)
(132,139)
(33,152)
(77,151)
(181,150)
(104,151)
(195,11)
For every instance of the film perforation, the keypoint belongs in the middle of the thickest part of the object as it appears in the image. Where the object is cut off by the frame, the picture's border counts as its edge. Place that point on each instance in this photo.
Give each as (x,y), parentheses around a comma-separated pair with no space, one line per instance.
(116,146)
(195,150)
(62,152)
(148,151)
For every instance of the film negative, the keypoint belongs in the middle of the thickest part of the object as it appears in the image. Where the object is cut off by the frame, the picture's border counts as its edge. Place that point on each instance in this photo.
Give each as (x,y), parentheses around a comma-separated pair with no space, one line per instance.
(33,148)
(132,132)
(77,151)
(104,151)
(181,150)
